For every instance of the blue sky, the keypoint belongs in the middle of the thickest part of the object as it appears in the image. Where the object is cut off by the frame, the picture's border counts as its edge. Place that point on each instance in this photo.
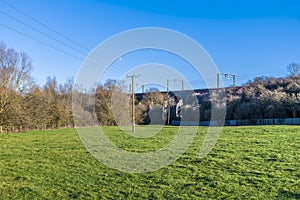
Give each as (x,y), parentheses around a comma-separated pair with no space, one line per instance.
(246,38)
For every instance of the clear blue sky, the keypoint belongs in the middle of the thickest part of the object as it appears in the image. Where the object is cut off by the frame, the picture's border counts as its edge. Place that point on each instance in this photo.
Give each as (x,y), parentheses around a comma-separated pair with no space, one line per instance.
(246,38)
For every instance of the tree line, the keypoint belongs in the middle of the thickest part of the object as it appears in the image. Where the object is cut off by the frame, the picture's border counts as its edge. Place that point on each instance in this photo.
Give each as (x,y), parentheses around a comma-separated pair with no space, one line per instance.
(265,98)
(26,105)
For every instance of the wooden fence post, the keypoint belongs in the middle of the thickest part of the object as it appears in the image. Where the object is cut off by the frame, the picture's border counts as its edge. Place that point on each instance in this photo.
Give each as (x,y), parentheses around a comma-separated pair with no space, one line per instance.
(1,130)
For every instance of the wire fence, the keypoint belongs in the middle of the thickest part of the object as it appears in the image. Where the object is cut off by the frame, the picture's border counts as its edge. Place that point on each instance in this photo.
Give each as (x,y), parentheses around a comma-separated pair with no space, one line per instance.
(11,129)
(245,122)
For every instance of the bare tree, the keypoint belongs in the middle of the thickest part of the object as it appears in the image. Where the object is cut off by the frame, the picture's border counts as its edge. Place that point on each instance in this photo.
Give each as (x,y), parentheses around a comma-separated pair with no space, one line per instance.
(15,75)
(293,69)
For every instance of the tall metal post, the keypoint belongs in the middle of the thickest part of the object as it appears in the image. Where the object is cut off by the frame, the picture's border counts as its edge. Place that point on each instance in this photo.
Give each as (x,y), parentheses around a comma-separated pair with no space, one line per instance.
(234,80)
(169,110)
(227,76)
(218,80)
(133,98)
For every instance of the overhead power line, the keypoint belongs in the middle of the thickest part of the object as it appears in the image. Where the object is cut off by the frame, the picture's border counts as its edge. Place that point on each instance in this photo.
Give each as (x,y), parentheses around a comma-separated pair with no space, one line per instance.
(40,41)
(47,44)
(45,34)
(43,24)
(114,67)
(117,68)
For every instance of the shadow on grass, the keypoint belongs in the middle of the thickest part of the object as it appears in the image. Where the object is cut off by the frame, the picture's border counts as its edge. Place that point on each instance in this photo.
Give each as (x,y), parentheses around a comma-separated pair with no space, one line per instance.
(288,194)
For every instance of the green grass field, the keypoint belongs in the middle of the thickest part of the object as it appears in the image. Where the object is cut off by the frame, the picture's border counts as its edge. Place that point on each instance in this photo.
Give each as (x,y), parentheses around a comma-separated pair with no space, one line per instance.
(260,162)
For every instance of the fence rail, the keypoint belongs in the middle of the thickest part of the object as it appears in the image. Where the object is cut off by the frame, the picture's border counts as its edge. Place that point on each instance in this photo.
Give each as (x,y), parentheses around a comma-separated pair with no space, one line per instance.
(9,129)
(285,121)
(246,122)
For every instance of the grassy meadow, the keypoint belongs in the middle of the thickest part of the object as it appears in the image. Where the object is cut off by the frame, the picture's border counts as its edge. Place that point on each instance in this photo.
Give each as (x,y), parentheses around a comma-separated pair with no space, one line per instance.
(259,162)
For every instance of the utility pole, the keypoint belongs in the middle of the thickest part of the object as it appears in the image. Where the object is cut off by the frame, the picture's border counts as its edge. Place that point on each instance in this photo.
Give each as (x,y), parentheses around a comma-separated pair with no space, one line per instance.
(168,88)
(182,83)
(227,76)
(133,98)
(175,80)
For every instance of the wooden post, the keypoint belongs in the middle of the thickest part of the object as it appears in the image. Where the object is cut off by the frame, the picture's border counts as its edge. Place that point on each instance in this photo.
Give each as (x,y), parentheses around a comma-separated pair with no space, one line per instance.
(1,130)
(133,98)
